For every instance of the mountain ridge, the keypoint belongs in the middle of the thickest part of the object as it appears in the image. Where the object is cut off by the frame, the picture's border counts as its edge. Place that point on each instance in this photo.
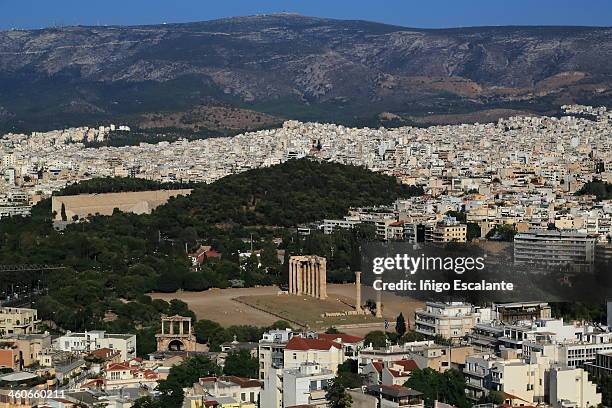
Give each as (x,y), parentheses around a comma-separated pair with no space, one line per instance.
(301,67)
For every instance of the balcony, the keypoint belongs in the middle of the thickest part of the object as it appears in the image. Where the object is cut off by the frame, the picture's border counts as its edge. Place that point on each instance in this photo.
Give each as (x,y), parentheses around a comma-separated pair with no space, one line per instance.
(317,396)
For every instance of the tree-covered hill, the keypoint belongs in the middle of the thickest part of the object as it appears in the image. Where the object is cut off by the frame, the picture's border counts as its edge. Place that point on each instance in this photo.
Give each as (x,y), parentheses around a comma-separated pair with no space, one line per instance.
(601,190)
(111,262)
(294,192)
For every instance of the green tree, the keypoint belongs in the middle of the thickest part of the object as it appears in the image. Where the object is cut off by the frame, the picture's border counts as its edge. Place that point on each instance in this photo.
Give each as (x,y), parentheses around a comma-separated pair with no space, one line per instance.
(370,305)
(337,396)
(171,394)
(458,215)
(400,325)
(376,338)
(242,364)
(493,397)
(473,231)
(601,190)
(145,341)
(280,325)
(502,232)
(411,336)
(146,402)
(348,375)
(443,341)
(448,387)
(63,212)
(188,372)
(604,385)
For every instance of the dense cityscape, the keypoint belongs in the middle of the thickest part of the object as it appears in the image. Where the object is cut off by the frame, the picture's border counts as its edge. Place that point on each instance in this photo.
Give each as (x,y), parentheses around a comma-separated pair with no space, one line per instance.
(539,182)
(522,170)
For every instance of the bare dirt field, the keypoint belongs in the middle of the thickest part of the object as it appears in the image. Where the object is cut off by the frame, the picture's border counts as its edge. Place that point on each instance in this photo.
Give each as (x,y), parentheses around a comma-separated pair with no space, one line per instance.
(220,305)
(307,311)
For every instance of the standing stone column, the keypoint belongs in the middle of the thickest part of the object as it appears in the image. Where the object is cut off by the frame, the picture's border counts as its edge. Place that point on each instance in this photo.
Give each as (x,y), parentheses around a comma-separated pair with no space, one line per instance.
(358,292)
(323,283)
(307,278)
(290,276)
(300,278)
(317,280)
(379,304)
(311,282)
(296,275)
(296,287)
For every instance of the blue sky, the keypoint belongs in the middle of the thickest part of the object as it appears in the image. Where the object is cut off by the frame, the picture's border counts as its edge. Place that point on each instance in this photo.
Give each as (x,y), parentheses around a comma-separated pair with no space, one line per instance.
(411,13)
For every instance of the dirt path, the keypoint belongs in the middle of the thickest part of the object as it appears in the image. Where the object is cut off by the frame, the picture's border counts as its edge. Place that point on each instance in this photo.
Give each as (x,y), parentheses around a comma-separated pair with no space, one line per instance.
(219,305)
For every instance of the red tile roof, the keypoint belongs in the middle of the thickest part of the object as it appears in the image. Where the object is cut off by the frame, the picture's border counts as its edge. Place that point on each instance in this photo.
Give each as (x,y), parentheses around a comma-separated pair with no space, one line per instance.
(104,353)
(95,383)
(242,381)
(117,367)
(407,365)
(150,374)
(212,254)
(300,343)
(397,374)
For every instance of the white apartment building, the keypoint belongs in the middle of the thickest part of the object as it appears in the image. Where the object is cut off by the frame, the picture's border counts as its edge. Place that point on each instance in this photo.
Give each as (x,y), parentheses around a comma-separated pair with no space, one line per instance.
(554,247)
(306,385)
(525,380)
(539,331)
(272,393)
(271,350)
(571,388)
(531,381)
(93,340)
(452,320)
(446,230)
(244,390)
(329,226)
(539,357)
(477,373)
(326,353)
(566,345)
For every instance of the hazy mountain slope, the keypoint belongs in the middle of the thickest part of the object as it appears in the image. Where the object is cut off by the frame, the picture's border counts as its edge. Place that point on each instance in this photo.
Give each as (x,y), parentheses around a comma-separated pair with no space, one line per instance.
(296,66)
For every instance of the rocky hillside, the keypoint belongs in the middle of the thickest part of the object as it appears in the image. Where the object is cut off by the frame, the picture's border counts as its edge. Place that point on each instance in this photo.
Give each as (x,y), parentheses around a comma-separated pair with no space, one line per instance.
(298,67)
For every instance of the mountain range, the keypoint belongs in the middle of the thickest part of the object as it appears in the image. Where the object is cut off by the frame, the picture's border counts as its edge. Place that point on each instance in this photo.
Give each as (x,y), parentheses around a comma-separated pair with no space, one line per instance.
(266,68)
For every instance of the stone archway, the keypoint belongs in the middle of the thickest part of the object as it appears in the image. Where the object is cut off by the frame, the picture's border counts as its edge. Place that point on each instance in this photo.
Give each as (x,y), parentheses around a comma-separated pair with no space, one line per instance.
(176,335)
(176,345)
